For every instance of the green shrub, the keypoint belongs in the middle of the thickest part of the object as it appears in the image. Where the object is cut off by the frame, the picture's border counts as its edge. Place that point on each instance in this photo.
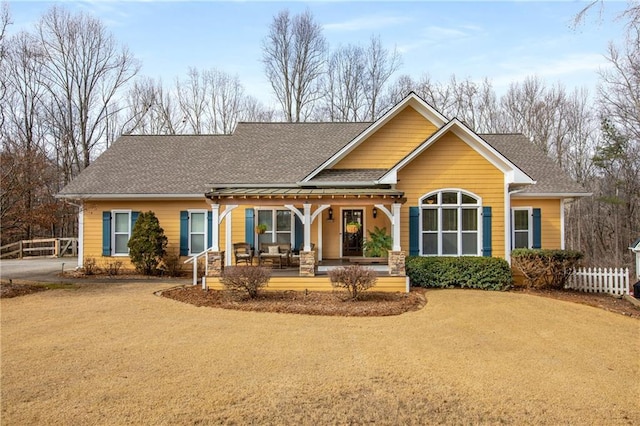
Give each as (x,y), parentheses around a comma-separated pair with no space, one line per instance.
(354,279)
(487,273)
(378,244)
(147,244)
(245,278)
(545,268)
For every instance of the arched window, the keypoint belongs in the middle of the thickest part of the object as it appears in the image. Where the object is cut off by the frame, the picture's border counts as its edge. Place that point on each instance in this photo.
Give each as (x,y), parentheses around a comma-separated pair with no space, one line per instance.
(450,223)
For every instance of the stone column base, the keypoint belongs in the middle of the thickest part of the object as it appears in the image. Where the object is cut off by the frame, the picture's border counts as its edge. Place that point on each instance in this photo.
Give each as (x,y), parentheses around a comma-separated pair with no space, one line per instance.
(215,263)
(308,263)
(397,263)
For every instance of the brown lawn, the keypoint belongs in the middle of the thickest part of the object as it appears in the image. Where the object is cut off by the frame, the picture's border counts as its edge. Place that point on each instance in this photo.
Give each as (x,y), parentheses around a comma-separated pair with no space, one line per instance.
(117,354)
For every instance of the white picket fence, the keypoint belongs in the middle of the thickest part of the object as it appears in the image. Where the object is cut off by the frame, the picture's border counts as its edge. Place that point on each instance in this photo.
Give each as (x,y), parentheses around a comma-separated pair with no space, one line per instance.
(601,280)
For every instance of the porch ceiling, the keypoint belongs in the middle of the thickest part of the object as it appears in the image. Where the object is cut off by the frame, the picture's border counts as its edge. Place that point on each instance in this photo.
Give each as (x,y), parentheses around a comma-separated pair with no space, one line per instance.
(336,196)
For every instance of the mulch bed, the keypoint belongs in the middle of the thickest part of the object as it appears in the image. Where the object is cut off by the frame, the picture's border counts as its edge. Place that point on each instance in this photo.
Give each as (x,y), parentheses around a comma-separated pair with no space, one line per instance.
(12,289)
(299,302)
(597,300)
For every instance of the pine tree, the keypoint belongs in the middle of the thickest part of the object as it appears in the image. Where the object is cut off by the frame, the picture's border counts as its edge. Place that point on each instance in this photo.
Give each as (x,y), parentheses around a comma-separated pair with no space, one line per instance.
(147,244)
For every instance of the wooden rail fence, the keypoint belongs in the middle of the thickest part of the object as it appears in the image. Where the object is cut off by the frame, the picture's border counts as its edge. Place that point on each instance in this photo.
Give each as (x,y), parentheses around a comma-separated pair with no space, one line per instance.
(601,280)
(54,247)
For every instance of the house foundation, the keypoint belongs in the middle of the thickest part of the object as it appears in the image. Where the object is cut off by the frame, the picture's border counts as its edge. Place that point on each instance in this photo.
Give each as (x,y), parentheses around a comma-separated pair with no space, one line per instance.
(215,263)
(397,263)
(307,263)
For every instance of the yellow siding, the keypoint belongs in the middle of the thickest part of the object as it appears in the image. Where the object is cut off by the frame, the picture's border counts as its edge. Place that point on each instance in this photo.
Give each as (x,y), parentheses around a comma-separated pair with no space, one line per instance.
(550,217)
(320,283)
(168,213)
(391,143)
(451,163)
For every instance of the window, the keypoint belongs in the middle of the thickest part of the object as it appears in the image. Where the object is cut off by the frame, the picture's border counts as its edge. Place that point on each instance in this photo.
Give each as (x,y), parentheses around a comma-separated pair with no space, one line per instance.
(278,226)
(522,236)
(450,223)
(121,232)
(197,231)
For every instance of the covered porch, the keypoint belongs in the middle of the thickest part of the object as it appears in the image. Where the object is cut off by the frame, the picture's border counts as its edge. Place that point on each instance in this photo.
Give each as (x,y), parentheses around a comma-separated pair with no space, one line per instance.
(319,232)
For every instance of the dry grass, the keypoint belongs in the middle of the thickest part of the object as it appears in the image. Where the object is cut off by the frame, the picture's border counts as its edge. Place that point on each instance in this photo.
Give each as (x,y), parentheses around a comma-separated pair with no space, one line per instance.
(117,354)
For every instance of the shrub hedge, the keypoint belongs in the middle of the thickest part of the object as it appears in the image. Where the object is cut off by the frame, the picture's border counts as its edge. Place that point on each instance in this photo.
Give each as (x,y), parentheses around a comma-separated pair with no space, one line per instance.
(545,268)
(487,273)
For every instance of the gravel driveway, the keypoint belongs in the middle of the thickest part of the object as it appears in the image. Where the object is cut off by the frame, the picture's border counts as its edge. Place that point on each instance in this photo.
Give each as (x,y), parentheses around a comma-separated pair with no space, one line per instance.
(117,354)
(40,268)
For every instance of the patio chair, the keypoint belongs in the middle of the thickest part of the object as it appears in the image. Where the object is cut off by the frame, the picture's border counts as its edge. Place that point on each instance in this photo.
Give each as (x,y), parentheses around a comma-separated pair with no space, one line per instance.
(243,253)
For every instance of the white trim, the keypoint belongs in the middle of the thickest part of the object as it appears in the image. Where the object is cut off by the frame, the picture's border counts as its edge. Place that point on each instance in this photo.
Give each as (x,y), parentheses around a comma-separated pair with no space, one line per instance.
(113,231)
(274,220)
(341,229)
(507,222)
(529,211)
(562,231)
(81,235)
(205,232)
(502,163)
(413,100)
(438,206)
(130,196)
(552,195)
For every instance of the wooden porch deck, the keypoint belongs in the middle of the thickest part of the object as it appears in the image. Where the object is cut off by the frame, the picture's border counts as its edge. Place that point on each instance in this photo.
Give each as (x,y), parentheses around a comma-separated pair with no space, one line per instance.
(288,278)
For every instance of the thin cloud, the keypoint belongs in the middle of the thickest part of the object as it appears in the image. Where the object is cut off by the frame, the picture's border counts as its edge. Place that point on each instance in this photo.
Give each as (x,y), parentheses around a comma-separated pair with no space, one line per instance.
(437,35)
(367,23)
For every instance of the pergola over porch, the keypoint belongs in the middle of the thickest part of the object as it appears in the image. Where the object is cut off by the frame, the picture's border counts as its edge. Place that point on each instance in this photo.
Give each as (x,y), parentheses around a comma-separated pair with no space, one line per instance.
(314,201)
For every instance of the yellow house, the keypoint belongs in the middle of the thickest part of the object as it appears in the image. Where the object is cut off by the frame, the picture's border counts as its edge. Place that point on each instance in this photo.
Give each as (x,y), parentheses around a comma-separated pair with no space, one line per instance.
(438,188)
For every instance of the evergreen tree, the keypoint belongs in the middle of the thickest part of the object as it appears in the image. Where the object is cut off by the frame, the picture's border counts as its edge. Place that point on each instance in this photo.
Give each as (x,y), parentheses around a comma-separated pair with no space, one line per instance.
(147,244)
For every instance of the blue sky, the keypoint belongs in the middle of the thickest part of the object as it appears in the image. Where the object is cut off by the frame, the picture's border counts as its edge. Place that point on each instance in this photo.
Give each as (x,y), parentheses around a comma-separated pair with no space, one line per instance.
(501,40)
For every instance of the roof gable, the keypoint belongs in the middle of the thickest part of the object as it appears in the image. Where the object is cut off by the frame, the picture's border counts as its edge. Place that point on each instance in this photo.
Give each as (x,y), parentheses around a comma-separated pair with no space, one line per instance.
(502,163)
(411,100)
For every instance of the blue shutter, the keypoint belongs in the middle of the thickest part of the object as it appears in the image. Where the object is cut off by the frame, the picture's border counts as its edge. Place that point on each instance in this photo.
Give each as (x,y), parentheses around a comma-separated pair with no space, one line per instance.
(414,231)
(299,235)
(249,218)
(537,229)
(486,231)
(134,217)
(184,233)
(209,229)
(106,233)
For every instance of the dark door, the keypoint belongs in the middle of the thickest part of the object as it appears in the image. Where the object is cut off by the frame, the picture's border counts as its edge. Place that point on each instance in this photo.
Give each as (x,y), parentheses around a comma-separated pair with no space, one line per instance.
(351,235)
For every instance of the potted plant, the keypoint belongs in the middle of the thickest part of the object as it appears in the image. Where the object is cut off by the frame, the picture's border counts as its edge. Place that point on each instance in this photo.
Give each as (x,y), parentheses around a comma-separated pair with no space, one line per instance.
(353,227)
(378,244)
(261,228)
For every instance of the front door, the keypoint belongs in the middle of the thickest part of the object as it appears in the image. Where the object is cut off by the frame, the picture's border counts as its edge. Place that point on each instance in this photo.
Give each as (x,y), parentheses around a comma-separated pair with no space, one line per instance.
(351,234)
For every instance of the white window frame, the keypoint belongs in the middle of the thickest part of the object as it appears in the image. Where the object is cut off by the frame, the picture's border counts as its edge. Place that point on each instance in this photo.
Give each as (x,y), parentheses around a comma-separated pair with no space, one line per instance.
(114,233)
(274,223)
(438,206)
(206,230)
(529,211)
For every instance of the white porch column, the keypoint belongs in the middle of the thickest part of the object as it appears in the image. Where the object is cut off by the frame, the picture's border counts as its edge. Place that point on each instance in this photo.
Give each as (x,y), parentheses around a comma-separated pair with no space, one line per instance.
(395,207)
(307,226)
(228,245)
(215,232)
(81,235)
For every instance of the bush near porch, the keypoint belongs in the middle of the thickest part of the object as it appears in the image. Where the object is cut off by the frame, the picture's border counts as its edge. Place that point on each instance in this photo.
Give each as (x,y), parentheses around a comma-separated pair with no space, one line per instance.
(487,273)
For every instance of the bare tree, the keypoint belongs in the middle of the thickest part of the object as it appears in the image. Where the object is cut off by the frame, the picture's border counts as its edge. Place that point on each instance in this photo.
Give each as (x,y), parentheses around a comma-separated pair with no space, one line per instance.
(254,111)
(345,98)
(380,66)
(224,101)
(84,69)
(293,54)
(5,21)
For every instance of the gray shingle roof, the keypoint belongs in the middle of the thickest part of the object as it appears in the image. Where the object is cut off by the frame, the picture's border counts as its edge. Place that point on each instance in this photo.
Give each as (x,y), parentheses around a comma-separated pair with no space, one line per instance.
(549,177)
(257,153)
(279,154)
